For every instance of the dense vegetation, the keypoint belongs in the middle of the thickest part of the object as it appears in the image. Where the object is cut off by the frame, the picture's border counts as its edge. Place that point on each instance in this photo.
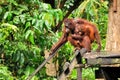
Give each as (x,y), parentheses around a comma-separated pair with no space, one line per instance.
(27,30)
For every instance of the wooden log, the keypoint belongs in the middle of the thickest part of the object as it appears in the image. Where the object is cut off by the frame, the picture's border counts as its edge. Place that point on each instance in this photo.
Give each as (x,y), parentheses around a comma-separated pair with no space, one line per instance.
(102,58)
(103,61)
(102,54)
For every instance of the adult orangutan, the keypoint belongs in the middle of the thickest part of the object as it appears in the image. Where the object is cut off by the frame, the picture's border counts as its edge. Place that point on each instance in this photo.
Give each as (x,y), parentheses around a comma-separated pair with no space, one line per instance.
(72,33)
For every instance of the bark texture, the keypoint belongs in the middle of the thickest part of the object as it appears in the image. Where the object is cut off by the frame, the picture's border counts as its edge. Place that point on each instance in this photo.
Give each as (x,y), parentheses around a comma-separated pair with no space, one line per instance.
(113,32)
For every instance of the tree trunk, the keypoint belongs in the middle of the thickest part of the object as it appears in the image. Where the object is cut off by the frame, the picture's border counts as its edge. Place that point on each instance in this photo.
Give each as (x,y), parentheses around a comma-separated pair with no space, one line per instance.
(113,32)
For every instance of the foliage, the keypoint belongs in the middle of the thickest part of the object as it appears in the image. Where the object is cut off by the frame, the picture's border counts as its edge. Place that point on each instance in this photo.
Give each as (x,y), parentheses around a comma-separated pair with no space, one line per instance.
(87,74)
(68,4)
(5,74)
(26,31)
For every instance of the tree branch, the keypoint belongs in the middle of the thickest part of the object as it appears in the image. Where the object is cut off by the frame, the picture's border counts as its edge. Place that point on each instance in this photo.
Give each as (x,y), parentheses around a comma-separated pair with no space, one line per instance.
(76,4)
(62,4)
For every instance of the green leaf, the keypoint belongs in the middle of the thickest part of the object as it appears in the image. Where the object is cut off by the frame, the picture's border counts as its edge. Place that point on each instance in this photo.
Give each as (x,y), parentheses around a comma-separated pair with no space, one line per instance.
(28,70)
(16,20)
(28,24)
(16,12)
(23,7)
(58,15)
(6,15)
(13,27)
(23,18)
(21,59)
(13,1)
(9,16)
(33,21)
(39,25)
(27,34)
(16,56)
(26,55)
(30,35)
(31,38)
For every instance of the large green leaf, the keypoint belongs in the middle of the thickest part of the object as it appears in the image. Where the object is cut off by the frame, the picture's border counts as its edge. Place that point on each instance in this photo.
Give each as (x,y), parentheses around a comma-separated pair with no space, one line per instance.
(8,15)
(28,24)
(30,36)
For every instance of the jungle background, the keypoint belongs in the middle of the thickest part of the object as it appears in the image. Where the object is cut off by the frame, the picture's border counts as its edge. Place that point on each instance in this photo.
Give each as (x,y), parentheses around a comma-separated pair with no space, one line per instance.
(28,28)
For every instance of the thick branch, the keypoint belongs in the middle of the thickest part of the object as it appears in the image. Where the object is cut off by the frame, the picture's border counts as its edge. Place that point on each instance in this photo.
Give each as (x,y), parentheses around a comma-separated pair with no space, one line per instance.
(62,4)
